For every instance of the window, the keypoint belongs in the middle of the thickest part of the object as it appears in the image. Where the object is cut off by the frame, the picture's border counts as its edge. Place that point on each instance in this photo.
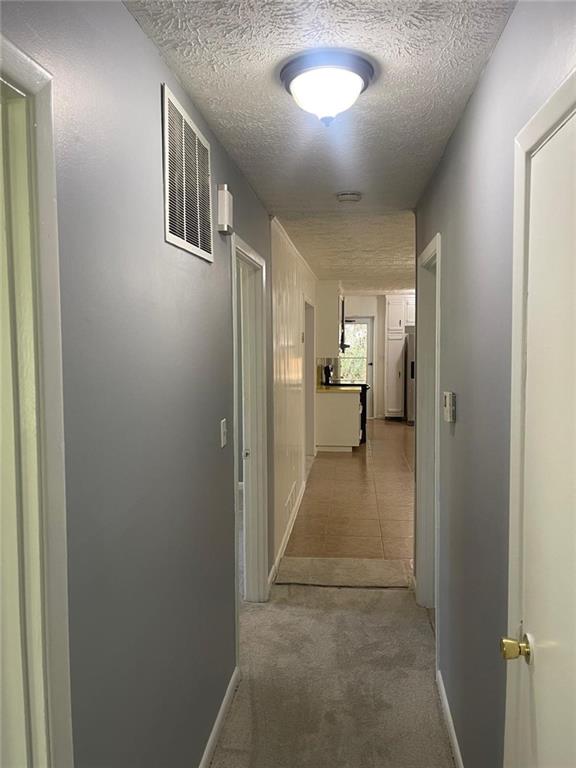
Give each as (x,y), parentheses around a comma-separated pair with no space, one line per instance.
(354,361)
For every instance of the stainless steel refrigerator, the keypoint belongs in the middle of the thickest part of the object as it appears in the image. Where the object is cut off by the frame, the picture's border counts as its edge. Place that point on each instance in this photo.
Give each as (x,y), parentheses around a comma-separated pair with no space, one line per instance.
(410,373)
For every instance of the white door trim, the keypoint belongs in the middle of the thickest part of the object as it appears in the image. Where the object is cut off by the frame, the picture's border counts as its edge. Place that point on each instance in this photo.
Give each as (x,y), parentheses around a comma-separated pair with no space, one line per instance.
(426,530)
(36,82)
(306,383)
(256,518)
(549,119)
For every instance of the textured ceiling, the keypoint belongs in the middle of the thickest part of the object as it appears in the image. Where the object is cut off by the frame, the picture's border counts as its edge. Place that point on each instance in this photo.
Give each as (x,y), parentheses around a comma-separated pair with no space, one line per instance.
(365,251)
(428,57)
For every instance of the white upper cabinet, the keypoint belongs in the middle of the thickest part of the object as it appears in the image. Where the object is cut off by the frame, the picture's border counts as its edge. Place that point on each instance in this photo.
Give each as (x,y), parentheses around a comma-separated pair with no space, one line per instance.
(410,311)
(395,314)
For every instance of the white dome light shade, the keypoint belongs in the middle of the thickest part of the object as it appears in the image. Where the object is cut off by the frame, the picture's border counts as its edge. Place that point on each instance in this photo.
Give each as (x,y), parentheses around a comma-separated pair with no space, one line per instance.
(327,91)
(328,82)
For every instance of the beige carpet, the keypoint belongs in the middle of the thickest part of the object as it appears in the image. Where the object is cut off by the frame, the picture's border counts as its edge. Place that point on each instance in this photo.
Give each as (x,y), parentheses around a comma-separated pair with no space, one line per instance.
(343,572)
(335,678)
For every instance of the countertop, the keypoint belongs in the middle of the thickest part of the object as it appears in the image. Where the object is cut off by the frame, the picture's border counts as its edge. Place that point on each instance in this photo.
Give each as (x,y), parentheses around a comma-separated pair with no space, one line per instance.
(341,390)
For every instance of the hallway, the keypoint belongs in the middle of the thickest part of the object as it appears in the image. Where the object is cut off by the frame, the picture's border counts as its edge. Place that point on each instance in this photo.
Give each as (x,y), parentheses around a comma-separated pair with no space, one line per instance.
(238,234)
(335,678)
(360,504)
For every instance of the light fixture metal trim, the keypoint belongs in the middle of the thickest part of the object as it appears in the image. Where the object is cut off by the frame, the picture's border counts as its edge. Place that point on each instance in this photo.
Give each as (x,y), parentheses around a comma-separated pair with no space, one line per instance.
(335,58)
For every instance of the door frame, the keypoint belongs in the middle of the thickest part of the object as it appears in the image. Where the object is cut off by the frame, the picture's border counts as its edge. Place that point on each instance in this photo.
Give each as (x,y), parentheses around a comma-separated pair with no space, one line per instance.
(370,364)
(308,381)
(427,527)
(16,66)
(539,129)
(256,586)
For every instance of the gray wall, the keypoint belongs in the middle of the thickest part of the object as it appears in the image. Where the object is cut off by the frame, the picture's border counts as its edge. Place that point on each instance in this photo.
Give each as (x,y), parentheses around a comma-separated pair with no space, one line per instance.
(469,201)
(147,351)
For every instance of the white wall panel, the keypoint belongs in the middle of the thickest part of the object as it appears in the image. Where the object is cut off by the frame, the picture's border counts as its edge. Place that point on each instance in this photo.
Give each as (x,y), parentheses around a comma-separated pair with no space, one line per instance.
(292,281)
(361,306)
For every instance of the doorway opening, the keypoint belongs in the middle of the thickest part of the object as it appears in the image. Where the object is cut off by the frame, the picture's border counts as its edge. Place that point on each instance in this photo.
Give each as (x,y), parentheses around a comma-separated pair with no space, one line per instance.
(250,420)
(309,358)
(427,424)
(356,361)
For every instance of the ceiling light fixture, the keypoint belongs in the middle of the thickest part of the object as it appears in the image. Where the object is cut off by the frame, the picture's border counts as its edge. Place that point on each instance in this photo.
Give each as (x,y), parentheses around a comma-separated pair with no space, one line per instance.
(349,197)
(326,83)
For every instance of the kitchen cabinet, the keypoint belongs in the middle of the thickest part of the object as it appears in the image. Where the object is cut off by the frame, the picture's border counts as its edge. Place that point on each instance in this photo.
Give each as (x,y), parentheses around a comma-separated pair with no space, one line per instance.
(338,415)
(395,315)
(400,312)
(410,311)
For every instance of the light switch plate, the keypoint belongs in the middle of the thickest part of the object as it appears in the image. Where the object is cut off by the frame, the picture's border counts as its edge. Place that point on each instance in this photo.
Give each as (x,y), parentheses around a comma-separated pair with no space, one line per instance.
(223,433)
(450,407)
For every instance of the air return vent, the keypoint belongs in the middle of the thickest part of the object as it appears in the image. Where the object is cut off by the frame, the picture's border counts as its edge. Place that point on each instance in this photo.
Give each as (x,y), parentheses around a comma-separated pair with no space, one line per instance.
(187,182)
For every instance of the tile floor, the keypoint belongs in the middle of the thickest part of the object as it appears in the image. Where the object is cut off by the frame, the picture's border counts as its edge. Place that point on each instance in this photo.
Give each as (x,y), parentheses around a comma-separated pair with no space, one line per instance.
(360,504)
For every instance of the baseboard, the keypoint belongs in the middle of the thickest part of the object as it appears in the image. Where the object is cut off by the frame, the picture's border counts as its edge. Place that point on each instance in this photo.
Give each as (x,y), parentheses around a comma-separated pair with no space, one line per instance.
(284,543)
(449,722)
(220,717)
(272,576)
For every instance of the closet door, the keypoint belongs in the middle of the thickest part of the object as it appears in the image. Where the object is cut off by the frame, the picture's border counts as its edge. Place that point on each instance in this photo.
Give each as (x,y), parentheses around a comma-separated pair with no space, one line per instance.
(395,377)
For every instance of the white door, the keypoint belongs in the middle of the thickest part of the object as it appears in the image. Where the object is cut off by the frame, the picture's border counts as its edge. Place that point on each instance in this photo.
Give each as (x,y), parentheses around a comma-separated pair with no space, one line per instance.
(356,362)
(541,695)
(395,377)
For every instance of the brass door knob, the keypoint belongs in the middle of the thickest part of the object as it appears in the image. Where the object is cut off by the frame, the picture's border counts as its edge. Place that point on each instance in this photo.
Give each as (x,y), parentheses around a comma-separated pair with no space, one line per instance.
(512,649)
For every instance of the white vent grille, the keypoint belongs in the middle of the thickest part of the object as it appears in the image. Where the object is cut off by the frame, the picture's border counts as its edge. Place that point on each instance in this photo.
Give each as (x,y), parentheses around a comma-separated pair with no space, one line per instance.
(187,182)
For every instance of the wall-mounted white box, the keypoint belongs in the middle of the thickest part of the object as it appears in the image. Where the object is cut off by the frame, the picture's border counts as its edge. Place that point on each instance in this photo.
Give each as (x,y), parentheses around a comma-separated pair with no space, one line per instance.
(225,210)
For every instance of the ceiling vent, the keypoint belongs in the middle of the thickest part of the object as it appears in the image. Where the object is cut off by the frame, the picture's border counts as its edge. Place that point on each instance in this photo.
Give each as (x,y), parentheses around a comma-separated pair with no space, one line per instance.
(187,182)
(349,197)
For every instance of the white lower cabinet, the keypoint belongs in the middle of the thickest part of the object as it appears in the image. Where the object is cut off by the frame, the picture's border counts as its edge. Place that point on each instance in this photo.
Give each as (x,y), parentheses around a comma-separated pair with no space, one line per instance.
(337,419)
